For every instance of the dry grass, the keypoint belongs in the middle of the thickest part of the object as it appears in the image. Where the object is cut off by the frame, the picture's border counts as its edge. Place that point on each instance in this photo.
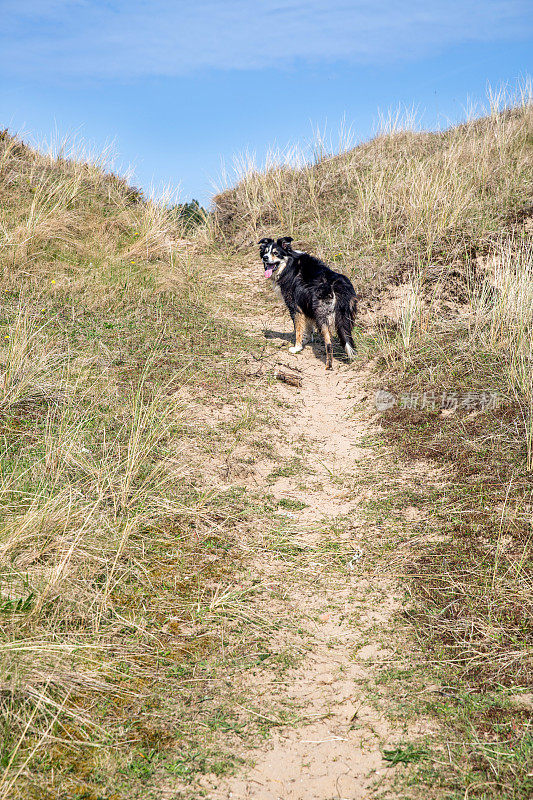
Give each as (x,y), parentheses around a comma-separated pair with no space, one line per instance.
(449,215)
(119,550)
(114,540)
(476,585)
(404,201)
(439,211)
(70,196)
(470,568)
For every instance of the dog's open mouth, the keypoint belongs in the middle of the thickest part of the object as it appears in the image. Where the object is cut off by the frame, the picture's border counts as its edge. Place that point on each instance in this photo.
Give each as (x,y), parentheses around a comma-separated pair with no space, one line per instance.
(270,269)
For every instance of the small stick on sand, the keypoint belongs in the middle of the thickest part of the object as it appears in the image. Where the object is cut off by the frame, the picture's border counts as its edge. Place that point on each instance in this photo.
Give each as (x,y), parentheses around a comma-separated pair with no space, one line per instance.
(288,377)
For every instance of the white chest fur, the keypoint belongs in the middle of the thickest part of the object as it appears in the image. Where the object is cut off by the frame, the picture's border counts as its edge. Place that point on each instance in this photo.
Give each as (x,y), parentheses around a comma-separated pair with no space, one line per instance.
(277,290)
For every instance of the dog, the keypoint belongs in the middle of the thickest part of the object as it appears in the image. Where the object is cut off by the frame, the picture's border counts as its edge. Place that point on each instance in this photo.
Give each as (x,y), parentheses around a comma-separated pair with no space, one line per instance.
(315,295)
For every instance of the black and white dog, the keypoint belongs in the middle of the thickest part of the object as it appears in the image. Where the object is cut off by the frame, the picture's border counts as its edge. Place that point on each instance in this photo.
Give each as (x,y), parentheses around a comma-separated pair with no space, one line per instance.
(315,295)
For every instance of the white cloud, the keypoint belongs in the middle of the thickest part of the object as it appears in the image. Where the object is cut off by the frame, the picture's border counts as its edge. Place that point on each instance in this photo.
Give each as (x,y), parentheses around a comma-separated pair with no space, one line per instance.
(129,39)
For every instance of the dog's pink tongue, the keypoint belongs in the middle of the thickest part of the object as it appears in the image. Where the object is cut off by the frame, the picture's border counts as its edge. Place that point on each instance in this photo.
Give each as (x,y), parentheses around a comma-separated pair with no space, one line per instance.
(268,273)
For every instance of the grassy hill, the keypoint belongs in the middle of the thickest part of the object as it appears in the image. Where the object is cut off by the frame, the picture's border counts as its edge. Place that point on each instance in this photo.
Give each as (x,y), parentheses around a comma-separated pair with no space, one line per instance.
(109,525)
(447,219)
(131,397)
(449,215)
(401,202)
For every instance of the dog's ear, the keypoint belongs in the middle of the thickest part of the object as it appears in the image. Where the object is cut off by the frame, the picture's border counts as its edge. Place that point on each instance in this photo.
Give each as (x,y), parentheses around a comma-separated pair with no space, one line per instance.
(264,241)
(285,242)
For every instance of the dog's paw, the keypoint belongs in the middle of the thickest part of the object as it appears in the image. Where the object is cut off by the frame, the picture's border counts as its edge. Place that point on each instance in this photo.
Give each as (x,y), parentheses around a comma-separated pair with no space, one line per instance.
(296,349)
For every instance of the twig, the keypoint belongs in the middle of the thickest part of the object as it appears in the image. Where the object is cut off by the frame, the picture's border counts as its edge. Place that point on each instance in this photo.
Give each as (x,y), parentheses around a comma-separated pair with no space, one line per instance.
(288,377)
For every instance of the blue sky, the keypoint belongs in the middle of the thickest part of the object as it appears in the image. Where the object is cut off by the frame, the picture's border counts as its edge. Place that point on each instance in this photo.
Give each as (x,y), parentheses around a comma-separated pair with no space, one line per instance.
(181,87)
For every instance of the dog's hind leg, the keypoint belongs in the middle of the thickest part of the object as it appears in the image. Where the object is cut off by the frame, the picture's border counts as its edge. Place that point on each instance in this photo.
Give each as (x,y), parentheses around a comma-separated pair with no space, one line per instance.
(329,347)
(344,320)
(299,330)
(309,334)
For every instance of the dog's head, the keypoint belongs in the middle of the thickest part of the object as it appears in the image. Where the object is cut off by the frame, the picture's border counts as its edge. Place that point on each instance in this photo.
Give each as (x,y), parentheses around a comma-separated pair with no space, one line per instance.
(275,255)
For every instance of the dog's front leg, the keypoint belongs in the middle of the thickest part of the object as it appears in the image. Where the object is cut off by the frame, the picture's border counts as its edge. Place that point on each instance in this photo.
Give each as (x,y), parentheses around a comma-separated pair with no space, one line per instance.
(299,330)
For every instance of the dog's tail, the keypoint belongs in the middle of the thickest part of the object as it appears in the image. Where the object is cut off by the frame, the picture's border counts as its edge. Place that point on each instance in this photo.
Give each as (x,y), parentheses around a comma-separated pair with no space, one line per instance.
(345,310)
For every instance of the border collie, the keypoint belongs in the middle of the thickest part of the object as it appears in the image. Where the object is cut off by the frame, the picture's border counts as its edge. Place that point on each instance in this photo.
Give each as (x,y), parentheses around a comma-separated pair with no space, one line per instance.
(315,295)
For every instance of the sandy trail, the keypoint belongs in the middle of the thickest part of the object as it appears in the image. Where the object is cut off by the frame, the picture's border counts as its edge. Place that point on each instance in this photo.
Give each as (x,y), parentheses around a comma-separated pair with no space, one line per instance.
(335,749)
